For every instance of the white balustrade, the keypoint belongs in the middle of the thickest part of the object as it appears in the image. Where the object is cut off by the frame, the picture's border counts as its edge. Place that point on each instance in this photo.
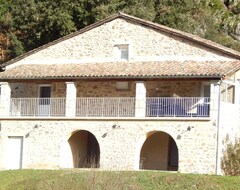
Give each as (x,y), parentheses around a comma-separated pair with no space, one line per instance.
(37,107)
(111,107)
(105,107)
(177,107)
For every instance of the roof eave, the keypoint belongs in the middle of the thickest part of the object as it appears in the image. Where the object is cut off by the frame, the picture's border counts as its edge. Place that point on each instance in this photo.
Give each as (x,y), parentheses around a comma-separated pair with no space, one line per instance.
(210,77)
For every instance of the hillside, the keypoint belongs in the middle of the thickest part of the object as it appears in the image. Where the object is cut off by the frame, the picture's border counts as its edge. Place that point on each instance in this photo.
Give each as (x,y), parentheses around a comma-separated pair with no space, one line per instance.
(108,180)
(27,24)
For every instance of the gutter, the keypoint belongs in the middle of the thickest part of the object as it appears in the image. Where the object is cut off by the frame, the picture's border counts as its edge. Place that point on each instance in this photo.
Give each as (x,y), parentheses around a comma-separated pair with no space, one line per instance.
(212,77)
(218,160)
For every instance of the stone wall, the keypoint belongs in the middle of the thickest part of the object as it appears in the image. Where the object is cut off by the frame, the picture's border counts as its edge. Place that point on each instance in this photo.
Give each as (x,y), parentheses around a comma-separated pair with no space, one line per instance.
(108,89)
(173,88)
(104,89)
(47,145)
(58,89)
(97,45)
(24,90)
(31,90)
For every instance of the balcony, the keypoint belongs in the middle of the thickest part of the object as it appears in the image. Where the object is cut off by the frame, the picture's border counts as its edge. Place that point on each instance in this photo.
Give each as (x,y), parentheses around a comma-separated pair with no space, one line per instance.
(177,107)
(111,107)
(44,107)
(105,107)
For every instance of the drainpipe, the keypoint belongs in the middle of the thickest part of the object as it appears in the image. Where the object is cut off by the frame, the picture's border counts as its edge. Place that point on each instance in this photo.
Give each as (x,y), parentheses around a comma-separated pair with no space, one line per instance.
(217,172)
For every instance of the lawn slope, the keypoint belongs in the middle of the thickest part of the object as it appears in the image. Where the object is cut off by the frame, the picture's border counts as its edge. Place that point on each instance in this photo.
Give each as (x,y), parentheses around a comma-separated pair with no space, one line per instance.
(92,179)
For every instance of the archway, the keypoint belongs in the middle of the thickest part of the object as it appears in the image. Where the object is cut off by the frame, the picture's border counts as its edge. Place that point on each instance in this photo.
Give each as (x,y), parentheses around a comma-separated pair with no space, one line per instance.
(85,150)
(159,152)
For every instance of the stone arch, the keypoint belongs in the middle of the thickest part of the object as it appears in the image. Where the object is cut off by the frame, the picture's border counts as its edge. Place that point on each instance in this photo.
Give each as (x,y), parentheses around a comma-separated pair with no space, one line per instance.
(85,149)
(159,152)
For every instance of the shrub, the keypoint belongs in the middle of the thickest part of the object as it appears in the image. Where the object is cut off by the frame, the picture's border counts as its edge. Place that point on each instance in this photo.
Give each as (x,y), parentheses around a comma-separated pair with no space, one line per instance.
(230,163)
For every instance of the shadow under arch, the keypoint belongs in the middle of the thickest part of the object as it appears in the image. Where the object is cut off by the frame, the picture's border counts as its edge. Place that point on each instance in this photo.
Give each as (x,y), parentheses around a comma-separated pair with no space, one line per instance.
(159,152)
(85,149)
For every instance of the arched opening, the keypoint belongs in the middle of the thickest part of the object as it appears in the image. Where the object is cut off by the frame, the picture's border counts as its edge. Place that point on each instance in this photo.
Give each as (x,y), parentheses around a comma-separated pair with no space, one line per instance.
(85,150)
(159,152)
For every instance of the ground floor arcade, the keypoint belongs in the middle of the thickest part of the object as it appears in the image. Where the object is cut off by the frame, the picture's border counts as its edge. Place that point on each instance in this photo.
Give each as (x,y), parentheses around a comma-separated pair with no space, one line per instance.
(185,146)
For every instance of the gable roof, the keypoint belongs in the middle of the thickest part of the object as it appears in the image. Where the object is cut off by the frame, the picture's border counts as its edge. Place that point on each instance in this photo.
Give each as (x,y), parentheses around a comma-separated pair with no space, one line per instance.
(189,37)
(124,70)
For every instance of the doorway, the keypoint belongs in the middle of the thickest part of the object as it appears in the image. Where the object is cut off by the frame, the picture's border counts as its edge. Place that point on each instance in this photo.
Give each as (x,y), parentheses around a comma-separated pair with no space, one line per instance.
(85,150)
(14,152)
(44,104)
(159,152)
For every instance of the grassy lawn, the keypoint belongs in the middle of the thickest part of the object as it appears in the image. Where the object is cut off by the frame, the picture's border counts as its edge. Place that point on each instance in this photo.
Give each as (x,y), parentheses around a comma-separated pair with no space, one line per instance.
(80,179)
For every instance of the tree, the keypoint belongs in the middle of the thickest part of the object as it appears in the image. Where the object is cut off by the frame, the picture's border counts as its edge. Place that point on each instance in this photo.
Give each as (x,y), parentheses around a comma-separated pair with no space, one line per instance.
(9,41)
(140,8)
(31,23)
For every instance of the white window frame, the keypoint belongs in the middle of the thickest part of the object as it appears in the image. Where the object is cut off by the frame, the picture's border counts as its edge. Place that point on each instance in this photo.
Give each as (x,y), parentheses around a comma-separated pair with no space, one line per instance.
(120,45)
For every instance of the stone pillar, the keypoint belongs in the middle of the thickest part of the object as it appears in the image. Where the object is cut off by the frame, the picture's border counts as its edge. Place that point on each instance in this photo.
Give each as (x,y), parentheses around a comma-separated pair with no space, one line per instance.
(215,116)
(140,107)
(5,99)
(214,99)
(71,95)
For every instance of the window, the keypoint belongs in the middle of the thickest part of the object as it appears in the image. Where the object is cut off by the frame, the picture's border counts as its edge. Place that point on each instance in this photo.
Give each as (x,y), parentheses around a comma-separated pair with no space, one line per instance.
(122,52)
(122,85)
(44,94)
(205,91)
(227,92)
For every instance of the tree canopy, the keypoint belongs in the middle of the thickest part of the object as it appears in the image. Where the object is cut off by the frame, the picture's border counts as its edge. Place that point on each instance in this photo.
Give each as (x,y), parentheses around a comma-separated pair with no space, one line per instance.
(27,24)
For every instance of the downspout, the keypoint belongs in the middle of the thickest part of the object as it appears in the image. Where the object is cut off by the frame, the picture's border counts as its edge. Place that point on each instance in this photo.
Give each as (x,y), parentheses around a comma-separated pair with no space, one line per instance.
(217,172)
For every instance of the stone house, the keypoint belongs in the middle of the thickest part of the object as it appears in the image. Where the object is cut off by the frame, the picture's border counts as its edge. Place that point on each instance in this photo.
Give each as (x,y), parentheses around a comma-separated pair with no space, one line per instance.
(120,94)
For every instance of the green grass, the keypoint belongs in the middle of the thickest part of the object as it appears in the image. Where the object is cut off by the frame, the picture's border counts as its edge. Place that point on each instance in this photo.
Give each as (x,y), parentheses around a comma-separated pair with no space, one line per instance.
(111,180)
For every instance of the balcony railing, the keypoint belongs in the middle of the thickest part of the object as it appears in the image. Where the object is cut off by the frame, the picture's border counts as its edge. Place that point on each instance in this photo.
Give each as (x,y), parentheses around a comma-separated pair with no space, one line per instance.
(177,107)
(112,107)
(37,107)
(105,107)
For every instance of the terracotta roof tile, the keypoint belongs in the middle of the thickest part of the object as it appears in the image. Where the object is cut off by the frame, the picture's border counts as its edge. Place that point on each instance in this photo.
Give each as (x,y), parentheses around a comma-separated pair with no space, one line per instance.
(166,69)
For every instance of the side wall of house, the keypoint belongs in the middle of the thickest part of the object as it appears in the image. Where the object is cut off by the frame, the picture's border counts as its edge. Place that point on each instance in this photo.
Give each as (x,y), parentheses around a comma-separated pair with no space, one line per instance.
(229,126)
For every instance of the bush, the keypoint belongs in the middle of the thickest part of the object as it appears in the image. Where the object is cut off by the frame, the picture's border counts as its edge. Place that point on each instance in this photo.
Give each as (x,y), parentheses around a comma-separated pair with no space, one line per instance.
(230,163)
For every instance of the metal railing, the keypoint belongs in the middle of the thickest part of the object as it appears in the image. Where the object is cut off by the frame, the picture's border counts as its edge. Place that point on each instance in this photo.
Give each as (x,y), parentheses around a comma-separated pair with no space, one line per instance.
(177,107)
(112,107)
(42,107)
(105,107)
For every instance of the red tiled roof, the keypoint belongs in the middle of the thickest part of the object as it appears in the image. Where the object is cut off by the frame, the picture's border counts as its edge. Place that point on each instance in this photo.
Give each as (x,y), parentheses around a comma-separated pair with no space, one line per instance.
(164,69)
